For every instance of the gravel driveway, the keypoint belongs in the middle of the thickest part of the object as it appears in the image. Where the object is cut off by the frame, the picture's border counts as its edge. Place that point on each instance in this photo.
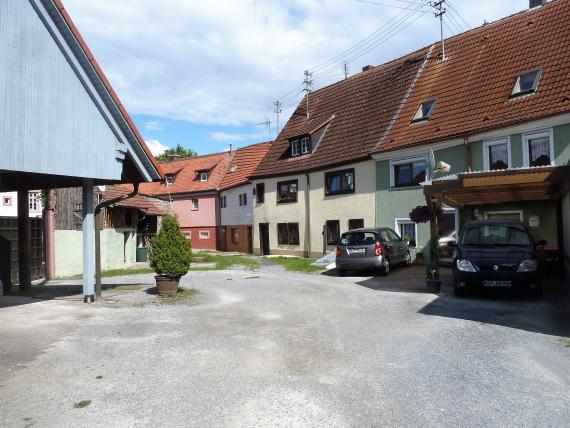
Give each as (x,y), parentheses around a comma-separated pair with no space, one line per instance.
(272,348)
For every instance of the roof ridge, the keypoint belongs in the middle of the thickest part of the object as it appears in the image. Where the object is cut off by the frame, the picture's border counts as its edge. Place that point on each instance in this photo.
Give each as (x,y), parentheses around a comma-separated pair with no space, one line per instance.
(189,158)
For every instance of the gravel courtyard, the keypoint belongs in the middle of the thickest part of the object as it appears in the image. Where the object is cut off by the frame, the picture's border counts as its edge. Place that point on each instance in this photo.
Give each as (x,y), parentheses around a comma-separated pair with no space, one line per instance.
(274,348)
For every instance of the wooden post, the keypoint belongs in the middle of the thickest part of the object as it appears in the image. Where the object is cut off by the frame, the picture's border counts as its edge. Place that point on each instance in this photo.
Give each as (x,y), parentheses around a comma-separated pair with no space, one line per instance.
(433,266)
(25,278)
(49,233)
(88,242)
(98,227)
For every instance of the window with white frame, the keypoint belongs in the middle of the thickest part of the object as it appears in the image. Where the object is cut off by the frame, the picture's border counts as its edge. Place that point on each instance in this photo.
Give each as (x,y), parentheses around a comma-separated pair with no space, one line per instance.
(34,201)
(538,148)
(204,176)
(295,148)
(526,83)
(195,204)
(408,172)
(204,234)
(497,154)
(407,230)
(305,145)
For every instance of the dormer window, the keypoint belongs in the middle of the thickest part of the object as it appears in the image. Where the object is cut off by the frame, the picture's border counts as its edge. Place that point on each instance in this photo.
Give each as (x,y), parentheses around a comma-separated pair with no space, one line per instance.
(301,146)
(295,148)
(425,110)
(169,179)
(526,83)
(203,176)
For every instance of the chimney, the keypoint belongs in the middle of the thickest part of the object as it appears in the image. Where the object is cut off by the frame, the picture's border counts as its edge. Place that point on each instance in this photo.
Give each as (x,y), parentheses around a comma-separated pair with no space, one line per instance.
(535,3)
(367,67)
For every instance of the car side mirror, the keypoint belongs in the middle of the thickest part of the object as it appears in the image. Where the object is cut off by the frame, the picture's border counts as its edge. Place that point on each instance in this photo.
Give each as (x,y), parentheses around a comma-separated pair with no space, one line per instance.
(541,243)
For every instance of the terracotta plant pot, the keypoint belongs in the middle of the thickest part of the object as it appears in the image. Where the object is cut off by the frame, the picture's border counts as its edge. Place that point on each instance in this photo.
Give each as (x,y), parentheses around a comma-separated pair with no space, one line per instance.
(166,286)
(433,285)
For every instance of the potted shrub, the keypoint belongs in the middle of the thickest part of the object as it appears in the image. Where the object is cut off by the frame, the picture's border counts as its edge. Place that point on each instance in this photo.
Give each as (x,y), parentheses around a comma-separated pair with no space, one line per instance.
(424,214)
(170,255)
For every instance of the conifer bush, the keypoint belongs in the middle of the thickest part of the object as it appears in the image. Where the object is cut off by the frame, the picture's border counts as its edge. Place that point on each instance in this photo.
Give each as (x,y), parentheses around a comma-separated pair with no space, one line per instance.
(170,251)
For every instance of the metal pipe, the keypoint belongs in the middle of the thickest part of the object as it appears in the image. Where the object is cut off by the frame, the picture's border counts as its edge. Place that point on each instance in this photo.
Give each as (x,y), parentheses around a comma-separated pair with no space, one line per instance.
(98,227)
(469,154)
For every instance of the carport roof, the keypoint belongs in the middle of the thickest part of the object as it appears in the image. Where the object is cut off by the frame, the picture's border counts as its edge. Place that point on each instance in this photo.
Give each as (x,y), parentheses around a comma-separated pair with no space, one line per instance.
(494,187)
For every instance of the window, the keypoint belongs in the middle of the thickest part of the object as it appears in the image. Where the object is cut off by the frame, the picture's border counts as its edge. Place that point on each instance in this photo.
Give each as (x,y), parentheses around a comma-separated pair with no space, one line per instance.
(287,191)
(424,111)
(497,154)
(260,192)
(538,148)
(195,204)
(235,235)
(305,145)
(7,201)
(333,232)
(339,182)
(203,176)
(223,202)
(169,179)
(409,172)
(295,149)
(288,233)
(243,199)
(355,223)
(407,230)
(34,201)
(526,83)
(359,238)
(204,234)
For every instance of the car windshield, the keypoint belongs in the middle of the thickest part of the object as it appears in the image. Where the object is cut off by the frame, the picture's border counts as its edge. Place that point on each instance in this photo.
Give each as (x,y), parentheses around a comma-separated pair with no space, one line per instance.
(495,235)
(359,238)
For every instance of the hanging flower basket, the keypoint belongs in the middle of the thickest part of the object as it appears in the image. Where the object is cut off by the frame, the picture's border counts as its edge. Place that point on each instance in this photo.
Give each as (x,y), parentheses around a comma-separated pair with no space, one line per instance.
(420,214)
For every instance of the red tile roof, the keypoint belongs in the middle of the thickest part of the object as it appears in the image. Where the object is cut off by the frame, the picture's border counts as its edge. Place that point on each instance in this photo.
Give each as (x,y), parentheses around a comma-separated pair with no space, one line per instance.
(143,203)
(106,82)
(473,85)
(357,112)
(187,179)
(244,163)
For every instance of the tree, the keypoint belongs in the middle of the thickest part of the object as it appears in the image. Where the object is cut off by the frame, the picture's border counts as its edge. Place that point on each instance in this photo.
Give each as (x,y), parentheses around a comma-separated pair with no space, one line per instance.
(170,251)
(177,151)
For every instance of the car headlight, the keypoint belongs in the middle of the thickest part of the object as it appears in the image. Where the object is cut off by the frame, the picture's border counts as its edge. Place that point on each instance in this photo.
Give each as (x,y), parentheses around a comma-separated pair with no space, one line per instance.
(465,266)
(528,266)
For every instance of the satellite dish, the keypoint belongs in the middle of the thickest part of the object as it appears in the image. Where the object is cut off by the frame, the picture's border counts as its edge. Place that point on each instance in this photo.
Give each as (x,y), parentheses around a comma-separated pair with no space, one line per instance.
(431,160)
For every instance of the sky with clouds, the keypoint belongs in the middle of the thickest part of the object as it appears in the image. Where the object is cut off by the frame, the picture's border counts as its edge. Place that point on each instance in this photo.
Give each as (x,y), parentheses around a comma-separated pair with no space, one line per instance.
(206,74)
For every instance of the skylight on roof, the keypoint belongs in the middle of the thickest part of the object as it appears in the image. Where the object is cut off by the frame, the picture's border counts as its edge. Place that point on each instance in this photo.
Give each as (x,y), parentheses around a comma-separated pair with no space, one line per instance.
(526,83)
(425,110)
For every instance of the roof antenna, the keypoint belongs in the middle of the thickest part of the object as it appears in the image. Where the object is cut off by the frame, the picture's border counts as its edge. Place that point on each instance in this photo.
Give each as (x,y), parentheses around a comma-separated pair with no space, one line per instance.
(439,6)
(266,123)
(308,82)
(345,69)
(277,111)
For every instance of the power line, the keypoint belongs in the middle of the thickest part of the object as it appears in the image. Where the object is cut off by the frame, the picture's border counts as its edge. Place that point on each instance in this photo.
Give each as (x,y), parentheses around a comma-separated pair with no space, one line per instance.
(385,4)
(455,22)
(453,9)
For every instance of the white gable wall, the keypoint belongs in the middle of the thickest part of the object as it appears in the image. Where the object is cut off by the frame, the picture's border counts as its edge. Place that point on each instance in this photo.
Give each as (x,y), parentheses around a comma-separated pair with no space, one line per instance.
(233,214)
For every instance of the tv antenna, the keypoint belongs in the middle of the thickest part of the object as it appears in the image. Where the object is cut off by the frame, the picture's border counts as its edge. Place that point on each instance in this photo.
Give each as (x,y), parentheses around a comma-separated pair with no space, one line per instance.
(440,10)
(308,82)
(277,111)
(266,123)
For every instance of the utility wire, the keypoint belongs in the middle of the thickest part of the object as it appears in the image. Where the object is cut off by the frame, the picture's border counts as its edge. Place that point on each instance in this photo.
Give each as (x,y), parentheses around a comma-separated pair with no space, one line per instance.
(385,4)
(456,22)
(455,11)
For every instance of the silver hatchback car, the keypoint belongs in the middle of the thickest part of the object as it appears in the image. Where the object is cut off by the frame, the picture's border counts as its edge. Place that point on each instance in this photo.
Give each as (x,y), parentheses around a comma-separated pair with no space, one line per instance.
(371,249)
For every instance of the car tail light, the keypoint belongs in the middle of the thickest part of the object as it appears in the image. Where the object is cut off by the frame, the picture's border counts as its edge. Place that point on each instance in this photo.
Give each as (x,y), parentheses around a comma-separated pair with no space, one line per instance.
(378,249)
(338,250)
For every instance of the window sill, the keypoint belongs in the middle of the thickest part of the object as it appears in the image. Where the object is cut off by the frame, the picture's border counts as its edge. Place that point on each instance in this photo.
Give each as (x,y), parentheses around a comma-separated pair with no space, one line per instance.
(416,187)
(346,192)
(286,202)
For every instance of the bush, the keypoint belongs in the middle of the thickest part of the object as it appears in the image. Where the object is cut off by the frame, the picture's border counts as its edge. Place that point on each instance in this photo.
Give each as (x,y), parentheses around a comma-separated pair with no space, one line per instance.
(170,251)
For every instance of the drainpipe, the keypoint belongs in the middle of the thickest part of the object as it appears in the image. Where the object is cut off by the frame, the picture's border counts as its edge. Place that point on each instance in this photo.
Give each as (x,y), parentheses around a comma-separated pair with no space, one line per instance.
(308,214)
(98,227)
(469,155)
(49,232)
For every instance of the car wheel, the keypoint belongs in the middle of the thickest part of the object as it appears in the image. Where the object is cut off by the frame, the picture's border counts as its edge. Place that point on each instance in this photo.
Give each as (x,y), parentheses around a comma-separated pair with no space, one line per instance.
(459,292)
(408,260)
(385,269)
(340,272)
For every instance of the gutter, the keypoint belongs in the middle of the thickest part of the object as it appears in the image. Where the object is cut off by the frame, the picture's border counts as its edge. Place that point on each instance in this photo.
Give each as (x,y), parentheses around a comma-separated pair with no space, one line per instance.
(308,214)
(98,209)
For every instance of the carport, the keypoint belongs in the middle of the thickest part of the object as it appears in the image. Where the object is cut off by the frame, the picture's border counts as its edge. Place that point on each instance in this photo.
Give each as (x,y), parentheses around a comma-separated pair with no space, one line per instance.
(62,123)
(538,195)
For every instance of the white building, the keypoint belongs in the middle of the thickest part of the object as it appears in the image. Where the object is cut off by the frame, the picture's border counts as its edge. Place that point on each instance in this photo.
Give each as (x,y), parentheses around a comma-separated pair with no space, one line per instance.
(9,204)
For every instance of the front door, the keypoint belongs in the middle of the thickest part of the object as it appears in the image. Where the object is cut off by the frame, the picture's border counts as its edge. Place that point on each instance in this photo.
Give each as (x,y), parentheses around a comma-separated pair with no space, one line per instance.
(264,239)
(223,235)
(249,239)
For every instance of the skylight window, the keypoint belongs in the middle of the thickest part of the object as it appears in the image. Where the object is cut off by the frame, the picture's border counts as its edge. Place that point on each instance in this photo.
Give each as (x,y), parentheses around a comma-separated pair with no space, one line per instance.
(526,83)
(425,110)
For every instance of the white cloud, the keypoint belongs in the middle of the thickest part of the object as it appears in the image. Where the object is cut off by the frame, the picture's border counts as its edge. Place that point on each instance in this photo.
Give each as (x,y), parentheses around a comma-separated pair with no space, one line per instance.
(153,125)
(224,62)
(155,147)
(227,136)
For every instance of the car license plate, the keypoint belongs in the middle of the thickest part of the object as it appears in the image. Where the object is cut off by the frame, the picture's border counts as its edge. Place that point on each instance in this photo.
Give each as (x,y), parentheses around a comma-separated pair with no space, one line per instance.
(357,251)
(497,283)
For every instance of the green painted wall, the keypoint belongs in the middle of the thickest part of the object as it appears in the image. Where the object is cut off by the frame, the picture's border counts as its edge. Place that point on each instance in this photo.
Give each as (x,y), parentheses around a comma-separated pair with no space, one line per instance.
(118,250)
(397,203)
(562,144)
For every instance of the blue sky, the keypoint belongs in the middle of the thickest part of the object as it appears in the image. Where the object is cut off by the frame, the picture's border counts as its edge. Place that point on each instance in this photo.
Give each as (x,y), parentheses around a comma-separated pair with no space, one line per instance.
(204,74)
